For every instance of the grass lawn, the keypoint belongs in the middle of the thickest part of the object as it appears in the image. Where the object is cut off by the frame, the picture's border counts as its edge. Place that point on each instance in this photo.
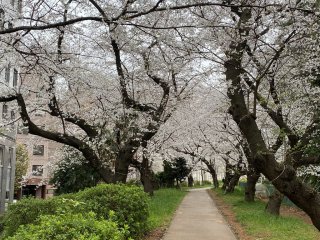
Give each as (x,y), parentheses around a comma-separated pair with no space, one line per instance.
(163,205)
(263,226)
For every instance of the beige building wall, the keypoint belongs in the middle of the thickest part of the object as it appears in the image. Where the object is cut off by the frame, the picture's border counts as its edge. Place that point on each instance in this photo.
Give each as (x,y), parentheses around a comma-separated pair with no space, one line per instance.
(42,153)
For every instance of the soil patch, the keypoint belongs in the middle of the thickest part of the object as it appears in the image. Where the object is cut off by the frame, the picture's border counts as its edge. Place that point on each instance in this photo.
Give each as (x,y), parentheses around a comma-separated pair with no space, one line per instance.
(156,234)
(226,211)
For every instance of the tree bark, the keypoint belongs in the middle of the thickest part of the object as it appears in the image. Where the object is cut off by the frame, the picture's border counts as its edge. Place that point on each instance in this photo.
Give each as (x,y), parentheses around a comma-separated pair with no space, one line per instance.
(190,181)
(147,177)
(213,172)
(250,189)
(215,180)
(232,183)
(122,164)
(227,177)
(274,203)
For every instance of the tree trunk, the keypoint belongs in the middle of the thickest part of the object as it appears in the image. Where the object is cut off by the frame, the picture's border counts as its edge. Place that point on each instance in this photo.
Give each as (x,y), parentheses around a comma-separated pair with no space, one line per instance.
(228,176)
(147,176)
(284,176)
(215,180)
(105,172)
(122,163)
(190,181)
(232,183)
(250,189)
(213,172)
(274,203)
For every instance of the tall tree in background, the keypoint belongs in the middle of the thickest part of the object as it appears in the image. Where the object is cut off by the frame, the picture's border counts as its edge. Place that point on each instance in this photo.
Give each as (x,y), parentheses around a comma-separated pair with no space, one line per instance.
(22,163)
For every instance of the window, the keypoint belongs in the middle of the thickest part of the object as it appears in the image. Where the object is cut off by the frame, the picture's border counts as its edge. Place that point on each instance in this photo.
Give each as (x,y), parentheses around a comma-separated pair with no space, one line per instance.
(1,155)
(15,77)
(13,115)
(37,170)
(20,6)
(1,18)
(7,74)
(4,111)
(10,157)
(38,150)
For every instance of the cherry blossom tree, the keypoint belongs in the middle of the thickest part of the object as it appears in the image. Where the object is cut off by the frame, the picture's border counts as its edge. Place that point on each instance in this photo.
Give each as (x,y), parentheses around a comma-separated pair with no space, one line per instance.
(111,74)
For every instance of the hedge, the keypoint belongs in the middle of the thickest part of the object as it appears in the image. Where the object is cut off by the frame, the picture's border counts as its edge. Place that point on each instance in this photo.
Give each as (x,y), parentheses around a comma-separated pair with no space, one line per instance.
(129,204)
(70,227)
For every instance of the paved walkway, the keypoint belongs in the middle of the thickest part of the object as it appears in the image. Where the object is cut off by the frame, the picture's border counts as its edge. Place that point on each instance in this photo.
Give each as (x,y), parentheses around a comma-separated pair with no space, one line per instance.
(198,218)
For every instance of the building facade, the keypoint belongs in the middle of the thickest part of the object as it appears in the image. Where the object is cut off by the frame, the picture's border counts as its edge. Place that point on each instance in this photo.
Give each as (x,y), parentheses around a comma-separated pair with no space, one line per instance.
(9,78)
(42,154)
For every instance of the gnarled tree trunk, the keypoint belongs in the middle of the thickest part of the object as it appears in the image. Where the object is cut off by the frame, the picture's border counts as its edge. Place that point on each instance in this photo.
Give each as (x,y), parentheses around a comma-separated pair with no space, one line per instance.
(232,183)
(250,189)
(212,171)
(274,203)
(228,176)
(190,181)
(122,164)
(215,180)
(147,177)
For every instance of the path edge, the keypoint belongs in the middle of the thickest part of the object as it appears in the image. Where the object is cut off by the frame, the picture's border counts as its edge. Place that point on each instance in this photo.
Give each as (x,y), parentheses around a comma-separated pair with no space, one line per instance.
(234,229)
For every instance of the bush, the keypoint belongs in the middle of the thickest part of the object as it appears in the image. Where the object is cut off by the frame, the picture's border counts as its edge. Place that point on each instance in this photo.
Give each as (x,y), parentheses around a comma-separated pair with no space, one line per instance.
(206,182)
(73,172)
(70,227)
(196,183)
(129,203)
(28,210)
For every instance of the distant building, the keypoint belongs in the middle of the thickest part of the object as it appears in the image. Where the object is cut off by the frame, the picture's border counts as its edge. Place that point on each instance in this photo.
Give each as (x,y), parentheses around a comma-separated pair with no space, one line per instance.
(9,76)
(42,153)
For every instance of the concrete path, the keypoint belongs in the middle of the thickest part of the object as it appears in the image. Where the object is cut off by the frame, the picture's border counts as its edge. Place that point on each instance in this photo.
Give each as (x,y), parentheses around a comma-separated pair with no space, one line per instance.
(198,218)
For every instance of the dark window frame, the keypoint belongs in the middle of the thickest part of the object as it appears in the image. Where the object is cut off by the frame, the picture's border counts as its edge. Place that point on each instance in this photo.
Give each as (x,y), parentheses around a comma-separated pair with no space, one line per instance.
(37,170)
(38,150)
(15,78)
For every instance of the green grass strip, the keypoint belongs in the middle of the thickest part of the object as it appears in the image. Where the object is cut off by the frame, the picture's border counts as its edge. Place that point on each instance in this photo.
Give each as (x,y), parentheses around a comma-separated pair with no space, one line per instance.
(163,205)
(261,225)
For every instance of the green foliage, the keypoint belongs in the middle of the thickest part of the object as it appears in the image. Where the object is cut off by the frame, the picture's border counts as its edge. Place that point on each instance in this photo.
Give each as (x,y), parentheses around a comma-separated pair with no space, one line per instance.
(129,203)
(22,161)
(175,170)
(206,182)
(73,173)
(28,210)
(181,169)
(70,226)
(167,176)
(261,225)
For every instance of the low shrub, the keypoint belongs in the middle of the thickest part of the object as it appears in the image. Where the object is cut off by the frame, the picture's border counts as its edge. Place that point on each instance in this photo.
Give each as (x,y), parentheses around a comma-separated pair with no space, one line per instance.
(70,227)
(206,182)
(196,183)
(28,210)
(129,203)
